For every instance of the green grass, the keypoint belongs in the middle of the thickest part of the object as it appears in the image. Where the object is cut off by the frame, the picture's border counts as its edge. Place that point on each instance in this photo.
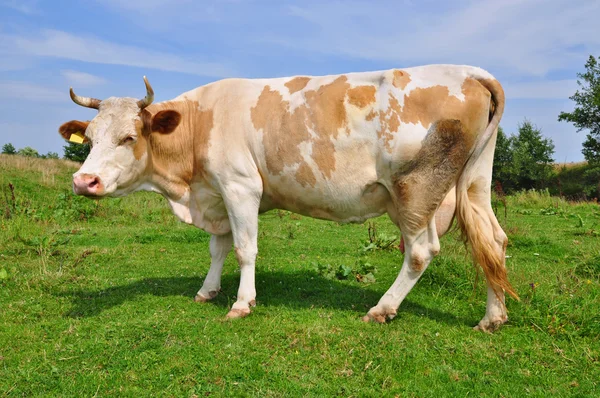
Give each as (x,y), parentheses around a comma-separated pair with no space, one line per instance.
(96,299)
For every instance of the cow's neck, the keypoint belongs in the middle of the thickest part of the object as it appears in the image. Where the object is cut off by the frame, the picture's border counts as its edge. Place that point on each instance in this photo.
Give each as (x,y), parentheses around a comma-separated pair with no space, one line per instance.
(177,159)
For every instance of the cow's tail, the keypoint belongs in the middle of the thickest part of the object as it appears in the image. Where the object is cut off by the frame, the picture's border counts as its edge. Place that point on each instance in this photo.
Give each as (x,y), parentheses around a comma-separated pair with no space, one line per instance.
(472,219)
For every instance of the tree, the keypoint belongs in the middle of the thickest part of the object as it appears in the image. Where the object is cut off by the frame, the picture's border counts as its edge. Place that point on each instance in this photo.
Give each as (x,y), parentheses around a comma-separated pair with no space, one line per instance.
(8,149)
(502,161)
(51,155)
(29,152)
(531,158)
(523,161)
(586,115)
(76,152)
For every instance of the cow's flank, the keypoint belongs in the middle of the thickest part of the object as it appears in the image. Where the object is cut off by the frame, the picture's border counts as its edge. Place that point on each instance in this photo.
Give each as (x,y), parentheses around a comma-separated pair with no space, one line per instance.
(431,173)
(428,105)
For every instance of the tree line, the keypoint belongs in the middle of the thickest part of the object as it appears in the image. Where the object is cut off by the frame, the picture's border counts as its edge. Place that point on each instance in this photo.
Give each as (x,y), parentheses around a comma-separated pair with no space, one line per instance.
(72,151)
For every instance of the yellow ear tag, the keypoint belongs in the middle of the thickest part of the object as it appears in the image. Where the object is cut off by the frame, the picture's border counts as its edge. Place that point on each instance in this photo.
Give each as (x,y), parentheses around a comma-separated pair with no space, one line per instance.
(77,137)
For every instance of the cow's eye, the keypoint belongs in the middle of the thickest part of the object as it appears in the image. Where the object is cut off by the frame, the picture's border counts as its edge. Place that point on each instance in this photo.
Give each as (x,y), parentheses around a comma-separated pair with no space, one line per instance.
(127,140)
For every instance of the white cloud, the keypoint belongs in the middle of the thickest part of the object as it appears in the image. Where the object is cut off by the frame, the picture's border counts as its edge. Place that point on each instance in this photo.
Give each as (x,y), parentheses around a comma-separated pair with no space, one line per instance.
(59,44)
(82,79)
(30,92)
(529,37)
(558,89)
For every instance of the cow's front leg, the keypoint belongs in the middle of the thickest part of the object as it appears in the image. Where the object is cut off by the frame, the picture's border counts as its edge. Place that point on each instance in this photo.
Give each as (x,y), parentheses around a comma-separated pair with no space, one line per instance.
(242,208)
(220,246)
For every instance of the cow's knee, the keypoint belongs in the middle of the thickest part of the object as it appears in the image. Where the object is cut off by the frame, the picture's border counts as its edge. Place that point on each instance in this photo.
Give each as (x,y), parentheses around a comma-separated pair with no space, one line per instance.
(420,256)
(245,255)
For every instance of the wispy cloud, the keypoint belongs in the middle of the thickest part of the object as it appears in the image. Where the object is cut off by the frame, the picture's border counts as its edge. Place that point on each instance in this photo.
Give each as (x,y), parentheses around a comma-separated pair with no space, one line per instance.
(557,89)
(31,92)
(59,44)
(23,6)
(82,79)
(524,36)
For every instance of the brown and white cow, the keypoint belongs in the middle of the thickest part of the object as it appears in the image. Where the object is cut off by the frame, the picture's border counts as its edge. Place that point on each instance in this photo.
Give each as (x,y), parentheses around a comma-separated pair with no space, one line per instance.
(344,148)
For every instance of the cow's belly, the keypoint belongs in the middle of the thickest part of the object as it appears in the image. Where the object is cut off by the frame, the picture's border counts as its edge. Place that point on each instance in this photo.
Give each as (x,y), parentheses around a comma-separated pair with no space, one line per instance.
(345,204)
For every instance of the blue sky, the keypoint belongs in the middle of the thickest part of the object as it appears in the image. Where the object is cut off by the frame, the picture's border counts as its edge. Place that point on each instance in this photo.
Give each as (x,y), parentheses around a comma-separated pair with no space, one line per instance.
(104,47)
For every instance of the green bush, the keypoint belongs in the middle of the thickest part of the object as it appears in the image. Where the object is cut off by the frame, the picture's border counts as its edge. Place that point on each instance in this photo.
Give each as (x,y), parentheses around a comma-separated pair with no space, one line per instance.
(578,182)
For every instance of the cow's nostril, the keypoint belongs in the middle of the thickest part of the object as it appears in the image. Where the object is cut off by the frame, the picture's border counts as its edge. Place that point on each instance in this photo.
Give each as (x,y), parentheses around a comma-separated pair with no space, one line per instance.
(93,183)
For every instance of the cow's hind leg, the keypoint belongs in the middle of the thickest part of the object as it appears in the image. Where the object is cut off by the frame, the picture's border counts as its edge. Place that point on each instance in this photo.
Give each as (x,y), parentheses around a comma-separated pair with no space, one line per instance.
(421,247)
(417,191)
(482,231)
(220,246)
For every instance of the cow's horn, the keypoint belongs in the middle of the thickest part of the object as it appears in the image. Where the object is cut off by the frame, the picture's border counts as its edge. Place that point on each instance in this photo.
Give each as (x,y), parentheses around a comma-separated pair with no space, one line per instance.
(149,95)
(88,102)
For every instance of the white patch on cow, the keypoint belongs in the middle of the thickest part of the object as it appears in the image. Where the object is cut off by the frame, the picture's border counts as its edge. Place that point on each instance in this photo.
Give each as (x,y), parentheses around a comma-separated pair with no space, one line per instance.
(181,208)
(438,75)
(208,210)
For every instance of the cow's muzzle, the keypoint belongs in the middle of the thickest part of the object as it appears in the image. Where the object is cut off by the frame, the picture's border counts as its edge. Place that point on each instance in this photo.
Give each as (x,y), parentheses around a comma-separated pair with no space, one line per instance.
(88,185)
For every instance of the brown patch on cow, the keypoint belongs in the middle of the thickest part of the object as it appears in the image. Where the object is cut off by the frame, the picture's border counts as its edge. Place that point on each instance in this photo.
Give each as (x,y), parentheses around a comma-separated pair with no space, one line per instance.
(180,156)
(141,143)
(323,154)
(401,79)
(422,183)
(74,126)
(371,115)
(284,130)
(428,105)
(416,263)
(361,96)
(297,84)
(328,116)
(327,107)
(305,175)
(389,122)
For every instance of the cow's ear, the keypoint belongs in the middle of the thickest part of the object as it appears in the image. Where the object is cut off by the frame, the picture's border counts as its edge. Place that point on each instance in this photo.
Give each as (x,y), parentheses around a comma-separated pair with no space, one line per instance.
(74,131)
(166,122)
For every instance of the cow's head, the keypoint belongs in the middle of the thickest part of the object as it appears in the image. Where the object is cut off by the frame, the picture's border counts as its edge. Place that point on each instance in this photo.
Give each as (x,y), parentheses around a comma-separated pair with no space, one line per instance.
(118,136)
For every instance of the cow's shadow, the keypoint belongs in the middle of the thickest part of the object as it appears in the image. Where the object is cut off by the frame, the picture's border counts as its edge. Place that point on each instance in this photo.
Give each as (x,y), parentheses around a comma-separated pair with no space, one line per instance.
(302,289)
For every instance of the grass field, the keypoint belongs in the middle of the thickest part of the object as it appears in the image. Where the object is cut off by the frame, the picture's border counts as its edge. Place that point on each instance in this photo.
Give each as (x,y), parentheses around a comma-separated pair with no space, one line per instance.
(96,299)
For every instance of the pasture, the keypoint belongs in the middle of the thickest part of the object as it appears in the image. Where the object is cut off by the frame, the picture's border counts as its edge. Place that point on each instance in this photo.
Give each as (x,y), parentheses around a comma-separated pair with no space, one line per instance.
(96,299)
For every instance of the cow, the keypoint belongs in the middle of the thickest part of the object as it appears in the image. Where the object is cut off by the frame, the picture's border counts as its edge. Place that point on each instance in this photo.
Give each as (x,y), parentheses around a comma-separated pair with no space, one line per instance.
(415,143)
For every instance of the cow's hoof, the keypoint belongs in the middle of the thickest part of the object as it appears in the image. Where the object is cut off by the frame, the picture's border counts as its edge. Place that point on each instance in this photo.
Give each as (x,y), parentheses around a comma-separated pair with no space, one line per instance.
(235,313)
(200,298)
(379,316)
(490,325)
